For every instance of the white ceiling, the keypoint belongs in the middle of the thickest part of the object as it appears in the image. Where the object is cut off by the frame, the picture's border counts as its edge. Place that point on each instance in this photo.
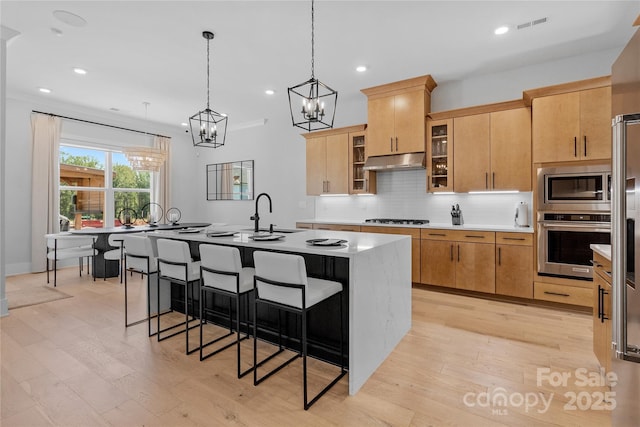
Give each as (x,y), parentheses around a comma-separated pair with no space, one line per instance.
(153,51)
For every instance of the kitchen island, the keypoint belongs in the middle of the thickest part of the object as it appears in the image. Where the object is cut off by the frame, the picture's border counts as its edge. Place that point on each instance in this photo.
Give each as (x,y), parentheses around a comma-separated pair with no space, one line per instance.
(374,269)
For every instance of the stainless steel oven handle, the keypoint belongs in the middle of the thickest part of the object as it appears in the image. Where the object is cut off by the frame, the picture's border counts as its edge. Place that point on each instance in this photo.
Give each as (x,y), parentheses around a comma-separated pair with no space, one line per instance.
(599,227)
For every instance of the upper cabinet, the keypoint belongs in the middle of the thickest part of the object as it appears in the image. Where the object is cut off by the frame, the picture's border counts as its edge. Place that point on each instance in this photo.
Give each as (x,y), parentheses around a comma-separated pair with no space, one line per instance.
(396,116)
(334,162)
(572,122)
(440,155)
(492,149)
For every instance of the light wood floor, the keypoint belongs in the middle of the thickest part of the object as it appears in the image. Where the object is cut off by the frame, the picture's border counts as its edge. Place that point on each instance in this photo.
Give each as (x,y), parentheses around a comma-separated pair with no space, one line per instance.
(72,362)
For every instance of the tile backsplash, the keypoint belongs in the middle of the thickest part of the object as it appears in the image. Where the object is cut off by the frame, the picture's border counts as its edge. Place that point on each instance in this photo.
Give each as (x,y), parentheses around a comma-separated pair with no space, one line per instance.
(402,194)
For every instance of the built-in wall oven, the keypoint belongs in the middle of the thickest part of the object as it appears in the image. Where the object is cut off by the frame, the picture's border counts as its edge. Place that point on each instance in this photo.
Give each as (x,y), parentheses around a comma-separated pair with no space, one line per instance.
(564,241)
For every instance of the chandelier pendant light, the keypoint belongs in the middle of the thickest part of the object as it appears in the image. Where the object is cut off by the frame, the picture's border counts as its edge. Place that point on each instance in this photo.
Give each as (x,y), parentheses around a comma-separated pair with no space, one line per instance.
(312,103)
(208,127)
(145,158)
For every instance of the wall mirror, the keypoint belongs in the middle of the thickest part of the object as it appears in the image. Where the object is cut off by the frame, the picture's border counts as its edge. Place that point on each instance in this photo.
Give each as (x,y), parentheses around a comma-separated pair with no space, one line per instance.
(230,181)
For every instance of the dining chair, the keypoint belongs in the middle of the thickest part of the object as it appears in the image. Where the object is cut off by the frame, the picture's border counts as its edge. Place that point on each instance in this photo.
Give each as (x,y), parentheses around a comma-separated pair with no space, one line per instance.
(175,265)
(281,282)
(116,254)
(222,273)
(61,246)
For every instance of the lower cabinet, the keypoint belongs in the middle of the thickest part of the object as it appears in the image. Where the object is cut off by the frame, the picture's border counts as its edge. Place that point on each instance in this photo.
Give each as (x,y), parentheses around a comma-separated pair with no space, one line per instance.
(602,327)
(514,264)
(459,259)
(336,227)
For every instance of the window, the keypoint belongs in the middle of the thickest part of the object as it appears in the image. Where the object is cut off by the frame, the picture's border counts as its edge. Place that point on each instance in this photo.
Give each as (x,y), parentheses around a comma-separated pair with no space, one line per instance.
(96,185)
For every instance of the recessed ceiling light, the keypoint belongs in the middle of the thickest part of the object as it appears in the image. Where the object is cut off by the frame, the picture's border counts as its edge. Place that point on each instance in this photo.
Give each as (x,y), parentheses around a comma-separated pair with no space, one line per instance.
(361,68)
(114,109)
(269,91)
(69,18)
(184,124)
(81,71)
(44,90)
(501,30)
(56,31)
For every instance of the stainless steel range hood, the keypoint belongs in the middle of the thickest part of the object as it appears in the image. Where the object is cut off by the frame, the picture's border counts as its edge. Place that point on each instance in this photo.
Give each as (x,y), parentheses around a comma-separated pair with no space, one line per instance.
(395,162)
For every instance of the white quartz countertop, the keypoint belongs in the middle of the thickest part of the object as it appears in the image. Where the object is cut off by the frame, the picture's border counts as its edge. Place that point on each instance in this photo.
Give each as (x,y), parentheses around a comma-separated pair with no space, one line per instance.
(443,225)
(604,250)
(291,242)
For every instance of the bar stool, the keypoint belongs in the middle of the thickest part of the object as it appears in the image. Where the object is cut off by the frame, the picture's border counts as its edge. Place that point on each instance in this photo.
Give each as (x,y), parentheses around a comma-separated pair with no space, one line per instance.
(139,258)
(222,273)
(114,254)
(176,265)
(281,281)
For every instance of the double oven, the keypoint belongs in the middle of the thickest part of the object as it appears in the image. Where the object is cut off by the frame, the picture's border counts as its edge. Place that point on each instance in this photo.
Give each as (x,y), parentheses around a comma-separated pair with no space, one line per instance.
(574,211)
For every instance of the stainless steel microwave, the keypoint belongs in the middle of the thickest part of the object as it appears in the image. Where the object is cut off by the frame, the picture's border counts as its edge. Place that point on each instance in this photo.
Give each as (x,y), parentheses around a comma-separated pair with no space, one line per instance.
(574,188)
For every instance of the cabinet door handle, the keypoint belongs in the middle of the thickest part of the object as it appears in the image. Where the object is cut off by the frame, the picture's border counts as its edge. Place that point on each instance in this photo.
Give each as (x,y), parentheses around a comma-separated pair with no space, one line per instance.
(600,302)
(486,180)
(499,256)
(471,236)
(328,186)
(391,144)
(604,317)
(585,145)
(396,143)
(437,234)
(513,238)
(458,253)
(451,252)
(575,146)
(366,184)
(557,294)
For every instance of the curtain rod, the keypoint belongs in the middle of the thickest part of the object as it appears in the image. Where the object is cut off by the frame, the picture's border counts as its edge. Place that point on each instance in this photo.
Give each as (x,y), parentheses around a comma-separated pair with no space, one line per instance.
(100,124)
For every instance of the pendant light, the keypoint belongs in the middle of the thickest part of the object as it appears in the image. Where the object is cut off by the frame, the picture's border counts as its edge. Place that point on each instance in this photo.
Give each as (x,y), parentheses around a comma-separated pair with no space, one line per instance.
(145,158)
(312,103)
(208,127)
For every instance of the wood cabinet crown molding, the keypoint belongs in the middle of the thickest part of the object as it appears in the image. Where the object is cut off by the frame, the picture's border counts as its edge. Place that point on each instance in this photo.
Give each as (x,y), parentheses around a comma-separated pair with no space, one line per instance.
(477,109)
(425,82)
(596,82)
(334,131)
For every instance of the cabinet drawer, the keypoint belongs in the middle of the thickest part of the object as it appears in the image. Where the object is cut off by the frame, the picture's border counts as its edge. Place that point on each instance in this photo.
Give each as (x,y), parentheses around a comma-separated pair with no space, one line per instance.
(336,227)
(474,236)
(602,266)
(564,294)
(436,234)
(413,232)
(520,239)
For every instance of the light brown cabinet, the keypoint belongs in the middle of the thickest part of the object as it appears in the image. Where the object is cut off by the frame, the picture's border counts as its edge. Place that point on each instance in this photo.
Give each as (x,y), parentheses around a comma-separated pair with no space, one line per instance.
(514,264)
(439,148)
(460,259)
(602,326)
(336,227)
(415,244)
(572,126)
(331,165)
(396,116)
(493,151)
(360,181)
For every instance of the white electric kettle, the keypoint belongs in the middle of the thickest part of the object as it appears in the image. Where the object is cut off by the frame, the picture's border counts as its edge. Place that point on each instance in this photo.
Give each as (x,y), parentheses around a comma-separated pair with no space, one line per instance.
(521,218)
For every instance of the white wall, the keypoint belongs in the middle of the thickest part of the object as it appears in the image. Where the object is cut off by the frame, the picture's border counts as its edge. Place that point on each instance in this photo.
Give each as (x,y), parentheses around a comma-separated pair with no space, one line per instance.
(279,154)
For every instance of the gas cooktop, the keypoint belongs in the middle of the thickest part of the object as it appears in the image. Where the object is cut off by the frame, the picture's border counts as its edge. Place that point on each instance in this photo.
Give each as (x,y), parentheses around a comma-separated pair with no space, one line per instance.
(397,221)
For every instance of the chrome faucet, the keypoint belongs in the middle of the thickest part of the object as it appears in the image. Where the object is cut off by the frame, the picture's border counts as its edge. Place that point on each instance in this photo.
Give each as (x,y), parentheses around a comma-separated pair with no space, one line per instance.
(256,217)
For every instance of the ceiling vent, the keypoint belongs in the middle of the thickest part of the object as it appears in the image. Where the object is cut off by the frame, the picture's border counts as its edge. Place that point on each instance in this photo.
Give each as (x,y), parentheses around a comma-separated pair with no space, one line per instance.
(531,23)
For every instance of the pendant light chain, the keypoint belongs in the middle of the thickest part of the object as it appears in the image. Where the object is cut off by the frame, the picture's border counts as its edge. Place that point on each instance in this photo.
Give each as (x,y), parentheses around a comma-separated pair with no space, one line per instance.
(208,96)
(312,42)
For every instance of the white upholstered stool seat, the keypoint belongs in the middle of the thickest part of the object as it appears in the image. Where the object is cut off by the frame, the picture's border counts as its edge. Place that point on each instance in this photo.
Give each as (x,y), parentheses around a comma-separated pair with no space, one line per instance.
(281,281)
(223,274)
(176,265)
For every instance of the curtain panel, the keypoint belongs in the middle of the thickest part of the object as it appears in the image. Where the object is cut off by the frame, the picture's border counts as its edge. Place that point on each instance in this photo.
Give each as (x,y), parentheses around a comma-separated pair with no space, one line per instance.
(45,197)
(162,179)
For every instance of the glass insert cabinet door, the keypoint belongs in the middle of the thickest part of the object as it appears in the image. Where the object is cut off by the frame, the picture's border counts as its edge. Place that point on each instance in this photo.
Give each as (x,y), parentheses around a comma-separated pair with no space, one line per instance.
(230,181)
